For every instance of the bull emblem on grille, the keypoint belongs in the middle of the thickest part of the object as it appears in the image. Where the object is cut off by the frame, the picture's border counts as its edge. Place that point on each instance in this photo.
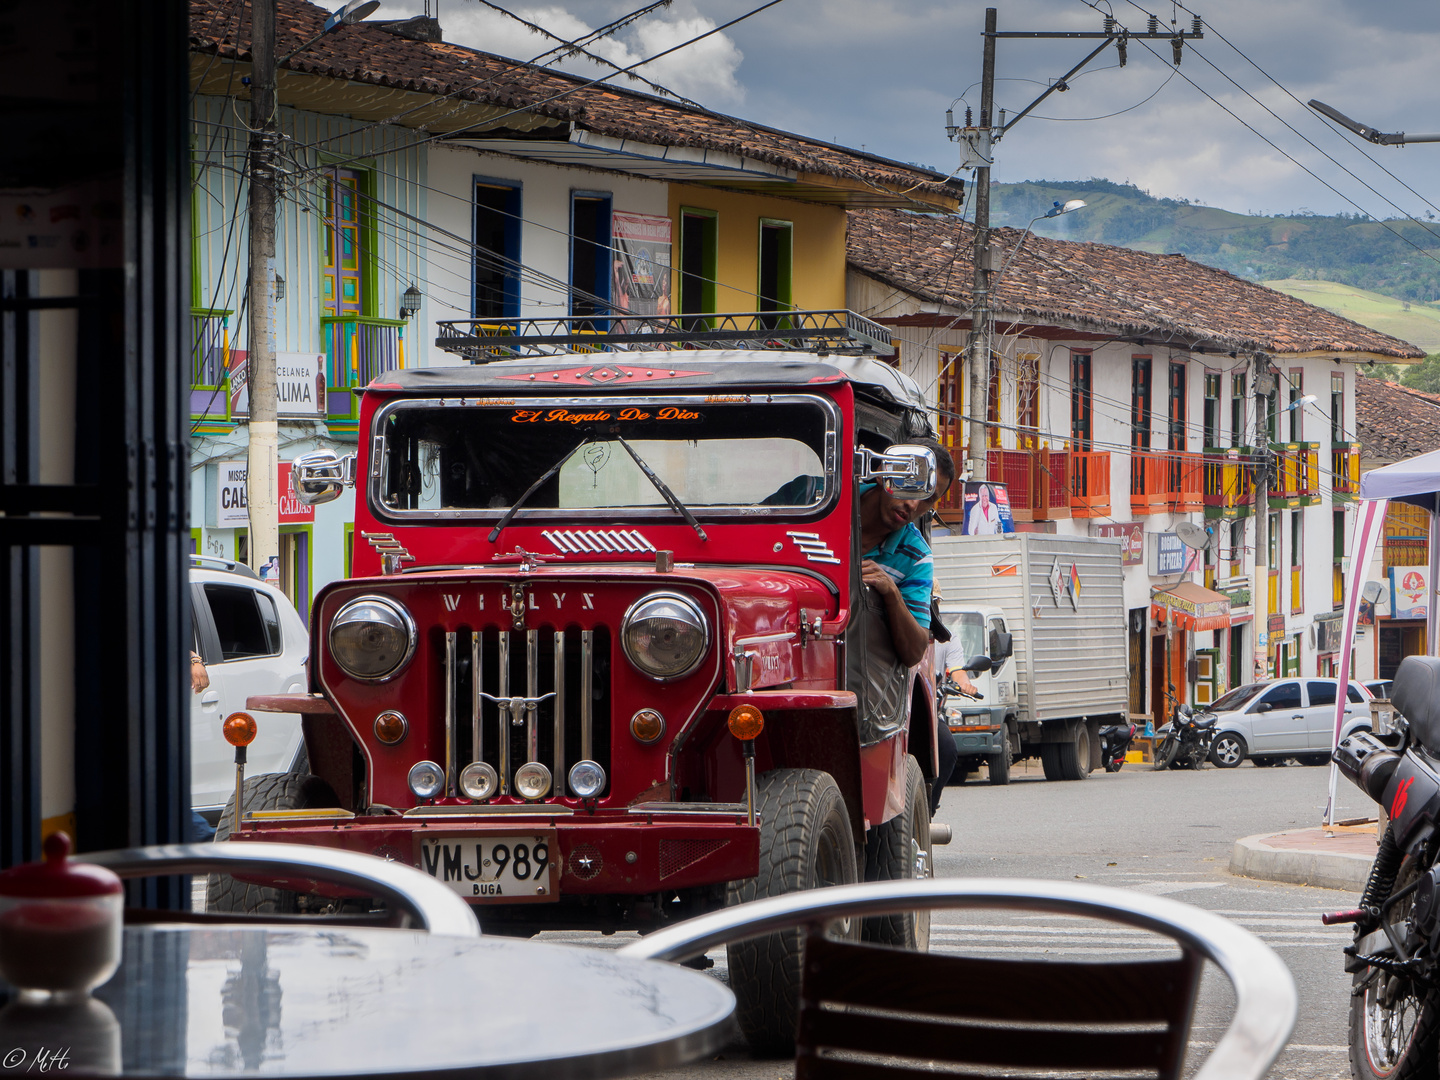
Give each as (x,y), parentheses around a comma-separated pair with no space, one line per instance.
(518,706)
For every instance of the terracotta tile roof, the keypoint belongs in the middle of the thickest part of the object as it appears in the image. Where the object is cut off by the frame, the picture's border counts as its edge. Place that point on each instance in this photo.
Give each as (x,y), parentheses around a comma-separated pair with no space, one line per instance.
(1394,422)
(1099,288)
(370,55)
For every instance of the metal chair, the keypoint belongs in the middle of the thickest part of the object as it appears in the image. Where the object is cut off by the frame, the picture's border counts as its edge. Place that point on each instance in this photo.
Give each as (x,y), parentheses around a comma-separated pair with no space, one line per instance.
(426,904)
(867,1010)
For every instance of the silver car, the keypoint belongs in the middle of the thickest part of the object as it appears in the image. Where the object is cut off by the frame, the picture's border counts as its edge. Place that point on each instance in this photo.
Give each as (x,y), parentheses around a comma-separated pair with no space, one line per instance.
(1279,718)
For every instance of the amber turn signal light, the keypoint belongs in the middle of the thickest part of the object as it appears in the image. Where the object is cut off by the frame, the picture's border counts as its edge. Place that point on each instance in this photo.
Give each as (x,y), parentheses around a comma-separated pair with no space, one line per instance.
(647,725)
(746,722)
(390,727)
(240,729)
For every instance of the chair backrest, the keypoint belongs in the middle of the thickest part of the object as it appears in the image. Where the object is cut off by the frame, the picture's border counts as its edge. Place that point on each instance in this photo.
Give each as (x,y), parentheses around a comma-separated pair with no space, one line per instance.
(1013,1014)
(429,904)
(866,1009)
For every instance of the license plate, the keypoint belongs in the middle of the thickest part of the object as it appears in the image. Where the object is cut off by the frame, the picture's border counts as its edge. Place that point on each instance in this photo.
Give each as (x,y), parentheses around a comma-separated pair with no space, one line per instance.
(500,869)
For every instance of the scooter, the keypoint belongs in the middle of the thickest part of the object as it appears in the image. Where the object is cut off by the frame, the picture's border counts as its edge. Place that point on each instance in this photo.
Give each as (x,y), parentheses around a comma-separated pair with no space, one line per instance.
(1115,740)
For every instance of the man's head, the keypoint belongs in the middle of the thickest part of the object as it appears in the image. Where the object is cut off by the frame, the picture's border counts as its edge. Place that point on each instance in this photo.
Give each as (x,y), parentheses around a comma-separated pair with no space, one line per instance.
(897,513)
(984,495)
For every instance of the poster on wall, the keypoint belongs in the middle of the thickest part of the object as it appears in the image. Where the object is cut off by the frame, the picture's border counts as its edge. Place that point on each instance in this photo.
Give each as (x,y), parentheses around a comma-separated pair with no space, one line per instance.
(1131,535)
(987,509)
(1409,590)
(641,282)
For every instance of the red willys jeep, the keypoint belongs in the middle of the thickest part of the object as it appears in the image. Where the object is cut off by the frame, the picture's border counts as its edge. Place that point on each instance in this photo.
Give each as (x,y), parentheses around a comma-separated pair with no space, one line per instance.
(606,661)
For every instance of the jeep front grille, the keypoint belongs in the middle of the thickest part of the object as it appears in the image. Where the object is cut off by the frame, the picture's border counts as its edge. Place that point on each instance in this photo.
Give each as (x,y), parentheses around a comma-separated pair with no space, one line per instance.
(572,725)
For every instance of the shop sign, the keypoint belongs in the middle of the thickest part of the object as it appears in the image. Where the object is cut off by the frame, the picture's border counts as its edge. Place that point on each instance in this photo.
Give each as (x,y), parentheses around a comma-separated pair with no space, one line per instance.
(1409,592)
(299,384)
(292,510)
(1276,624)
(1131,535)
(1167,555)
(231,503)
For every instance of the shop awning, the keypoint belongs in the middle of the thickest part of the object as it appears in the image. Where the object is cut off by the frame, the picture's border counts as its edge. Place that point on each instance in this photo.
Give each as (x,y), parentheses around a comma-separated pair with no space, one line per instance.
(1191,607)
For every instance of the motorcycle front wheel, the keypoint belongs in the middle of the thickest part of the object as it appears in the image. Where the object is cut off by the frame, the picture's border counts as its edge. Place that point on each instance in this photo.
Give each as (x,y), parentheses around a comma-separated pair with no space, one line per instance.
(1394,1023)
(1165,752)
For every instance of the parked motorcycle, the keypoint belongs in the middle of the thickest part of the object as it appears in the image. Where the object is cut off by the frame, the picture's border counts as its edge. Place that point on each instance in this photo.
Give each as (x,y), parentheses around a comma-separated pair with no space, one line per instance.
(1185,743)
(1115,740)
(1395,956)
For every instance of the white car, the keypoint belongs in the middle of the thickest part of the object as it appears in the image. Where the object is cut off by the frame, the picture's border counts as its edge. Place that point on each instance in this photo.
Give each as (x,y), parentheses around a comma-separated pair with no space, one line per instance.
(1279,718)
(252,642)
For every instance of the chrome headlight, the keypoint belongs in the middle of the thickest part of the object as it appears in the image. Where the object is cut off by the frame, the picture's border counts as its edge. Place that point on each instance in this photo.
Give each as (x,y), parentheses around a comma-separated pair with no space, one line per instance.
(426,779)
(372,638)
(665,635)
(532,780)
(587,779)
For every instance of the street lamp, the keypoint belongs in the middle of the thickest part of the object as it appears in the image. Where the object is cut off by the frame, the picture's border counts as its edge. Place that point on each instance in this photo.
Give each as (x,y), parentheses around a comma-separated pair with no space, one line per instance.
(1055,211)
(410,302)
(353,12)
(1365,131)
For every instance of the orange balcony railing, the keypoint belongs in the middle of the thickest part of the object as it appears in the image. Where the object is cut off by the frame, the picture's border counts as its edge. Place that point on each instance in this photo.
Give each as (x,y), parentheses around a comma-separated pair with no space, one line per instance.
(1164,481)
(1229,482)
(1089,483)
(1038,481)
(1345,471)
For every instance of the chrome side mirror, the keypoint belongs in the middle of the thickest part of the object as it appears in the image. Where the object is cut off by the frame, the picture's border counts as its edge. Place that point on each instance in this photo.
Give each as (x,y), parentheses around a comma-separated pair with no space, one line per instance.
(320,476)
(906,471)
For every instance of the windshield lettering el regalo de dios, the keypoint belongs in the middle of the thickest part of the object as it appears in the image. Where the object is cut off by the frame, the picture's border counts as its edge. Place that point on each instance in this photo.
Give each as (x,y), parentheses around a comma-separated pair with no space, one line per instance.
(721,458)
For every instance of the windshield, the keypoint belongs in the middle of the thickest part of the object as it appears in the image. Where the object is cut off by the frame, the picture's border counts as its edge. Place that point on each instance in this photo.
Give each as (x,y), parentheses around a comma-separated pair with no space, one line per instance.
(967,636)
(731,457)
(1238,698)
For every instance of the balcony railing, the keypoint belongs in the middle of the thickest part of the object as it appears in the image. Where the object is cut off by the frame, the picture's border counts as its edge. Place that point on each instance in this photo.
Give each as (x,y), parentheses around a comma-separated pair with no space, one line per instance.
(1406,551)
(1345,471)
(1045,484)
(357,349)
(1229,482)
(209,364)
(1297,475)
(1090,483)
(1162,481)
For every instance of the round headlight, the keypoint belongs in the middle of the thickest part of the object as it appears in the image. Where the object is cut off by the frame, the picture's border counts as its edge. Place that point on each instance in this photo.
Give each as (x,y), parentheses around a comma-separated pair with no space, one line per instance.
(665,635)
(478,780)
(426,779)
(532,780)
(372,638)
(587,779)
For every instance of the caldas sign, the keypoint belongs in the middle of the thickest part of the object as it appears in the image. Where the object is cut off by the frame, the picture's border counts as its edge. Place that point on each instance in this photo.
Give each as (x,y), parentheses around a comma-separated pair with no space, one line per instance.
(299,385)
(232,498)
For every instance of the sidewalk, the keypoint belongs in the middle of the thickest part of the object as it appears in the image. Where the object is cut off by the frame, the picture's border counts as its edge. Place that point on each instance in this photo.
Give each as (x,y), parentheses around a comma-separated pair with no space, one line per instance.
(1337,857)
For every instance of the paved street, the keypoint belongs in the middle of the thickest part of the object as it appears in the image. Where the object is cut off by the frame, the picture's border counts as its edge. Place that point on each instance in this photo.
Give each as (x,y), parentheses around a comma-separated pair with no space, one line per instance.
(1165,834)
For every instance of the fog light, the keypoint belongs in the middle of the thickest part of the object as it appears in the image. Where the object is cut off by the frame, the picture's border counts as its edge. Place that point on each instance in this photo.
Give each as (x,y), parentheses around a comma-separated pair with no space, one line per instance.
(391,727)
(746,722)
(532,780)
(587,779)
(240,729)
(426,779)
(647,725)
(478,780)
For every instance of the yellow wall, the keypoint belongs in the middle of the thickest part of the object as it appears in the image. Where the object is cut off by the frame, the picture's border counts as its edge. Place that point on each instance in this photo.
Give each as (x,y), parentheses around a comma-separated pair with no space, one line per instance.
(818,254)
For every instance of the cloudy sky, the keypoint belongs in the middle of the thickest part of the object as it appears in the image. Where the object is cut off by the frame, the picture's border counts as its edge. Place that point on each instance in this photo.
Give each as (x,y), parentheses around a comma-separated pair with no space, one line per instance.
(1228,128)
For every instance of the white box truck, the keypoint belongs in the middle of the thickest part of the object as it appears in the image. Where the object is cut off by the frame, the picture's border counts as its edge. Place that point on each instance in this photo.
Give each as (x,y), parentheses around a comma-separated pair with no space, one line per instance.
(1049,612)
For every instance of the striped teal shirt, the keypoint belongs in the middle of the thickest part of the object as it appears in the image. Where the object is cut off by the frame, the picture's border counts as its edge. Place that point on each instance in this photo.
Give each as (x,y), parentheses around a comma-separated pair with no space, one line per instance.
(906,558)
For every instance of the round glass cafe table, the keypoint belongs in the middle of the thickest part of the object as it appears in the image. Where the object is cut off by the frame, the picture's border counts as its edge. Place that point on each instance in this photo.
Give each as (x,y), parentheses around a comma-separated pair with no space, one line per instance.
(298,1002)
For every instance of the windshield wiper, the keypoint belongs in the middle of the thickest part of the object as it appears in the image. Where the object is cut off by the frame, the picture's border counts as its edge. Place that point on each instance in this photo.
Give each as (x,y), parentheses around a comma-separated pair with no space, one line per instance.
(660,486)
(515,507)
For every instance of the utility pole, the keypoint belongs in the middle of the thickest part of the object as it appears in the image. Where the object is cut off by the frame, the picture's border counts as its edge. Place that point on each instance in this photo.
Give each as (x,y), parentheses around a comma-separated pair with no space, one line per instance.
(979,343)
(1260,379)
(260,292)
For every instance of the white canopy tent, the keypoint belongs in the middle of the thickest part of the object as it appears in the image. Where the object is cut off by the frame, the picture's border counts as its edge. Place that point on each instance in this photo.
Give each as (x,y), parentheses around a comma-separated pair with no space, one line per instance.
(1415,481)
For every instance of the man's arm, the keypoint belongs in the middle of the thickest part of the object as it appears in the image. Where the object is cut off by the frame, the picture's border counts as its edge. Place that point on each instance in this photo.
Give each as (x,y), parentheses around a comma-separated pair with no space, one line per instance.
(908,636)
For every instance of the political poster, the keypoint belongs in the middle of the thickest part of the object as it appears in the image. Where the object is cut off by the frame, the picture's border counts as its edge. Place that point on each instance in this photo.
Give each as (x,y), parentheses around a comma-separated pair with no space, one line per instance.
(987,509)
(1410,592)
(641,281)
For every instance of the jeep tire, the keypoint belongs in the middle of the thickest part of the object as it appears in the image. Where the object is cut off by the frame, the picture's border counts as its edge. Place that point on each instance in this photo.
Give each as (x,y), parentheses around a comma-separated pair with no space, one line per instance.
(805,843)
(271,791)
(899,850)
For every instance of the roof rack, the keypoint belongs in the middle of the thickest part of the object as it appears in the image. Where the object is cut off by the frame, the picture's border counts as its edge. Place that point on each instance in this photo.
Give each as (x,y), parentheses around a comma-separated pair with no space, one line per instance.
(210,562)
(483,340)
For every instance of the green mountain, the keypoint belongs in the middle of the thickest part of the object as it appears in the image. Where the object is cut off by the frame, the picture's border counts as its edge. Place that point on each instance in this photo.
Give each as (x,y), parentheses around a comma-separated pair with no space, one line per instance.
(1399,258)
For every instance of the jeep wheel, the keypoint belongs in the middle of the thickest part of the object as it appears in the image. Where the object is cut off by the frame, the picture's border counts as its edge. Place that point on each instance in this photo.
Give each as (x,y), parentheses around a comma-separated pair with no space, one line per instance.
(805,843)
(1000,763)
(272,791)
(900,850)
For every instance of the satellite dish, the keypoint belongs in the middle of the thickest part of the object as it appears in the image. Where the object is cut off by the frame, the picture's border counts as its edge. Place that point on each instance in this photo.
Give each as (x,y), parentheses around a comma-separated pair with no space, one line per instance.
(1193,536)
(1372,591)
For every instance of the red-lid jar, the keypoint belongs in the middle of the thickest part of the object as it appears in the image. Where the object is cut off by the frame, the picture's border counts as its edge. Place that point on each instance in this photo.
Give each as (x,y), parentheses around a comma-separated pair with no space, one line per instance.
(60,923)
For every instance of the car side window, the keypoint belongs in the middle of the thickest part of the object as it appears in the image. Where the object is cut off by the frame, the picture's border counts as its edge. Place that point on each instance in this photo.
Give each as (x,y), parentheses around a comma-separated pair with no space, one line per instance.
(1284,696)
(246,621)
(1321,692)
(1354,694)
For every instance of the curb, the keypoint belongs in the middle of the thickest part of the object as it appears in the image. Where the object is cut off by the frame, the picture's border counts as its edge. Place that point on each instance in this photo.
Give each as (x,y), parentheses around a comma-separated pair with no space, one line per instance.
(1252,857)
